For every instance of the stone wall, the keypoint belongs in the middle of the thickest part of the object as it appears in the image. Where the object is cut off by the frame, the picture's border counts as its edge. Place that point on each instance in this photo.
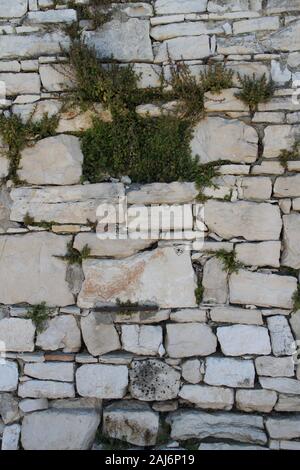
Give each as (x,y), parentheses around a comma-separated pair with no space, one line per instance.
(171,372)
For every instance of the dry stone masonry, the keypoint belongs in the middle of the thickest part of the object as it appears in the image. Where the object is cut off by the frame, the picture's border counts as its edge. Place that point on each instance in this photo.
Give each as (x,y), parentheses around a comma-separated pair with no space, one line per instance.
(129,349)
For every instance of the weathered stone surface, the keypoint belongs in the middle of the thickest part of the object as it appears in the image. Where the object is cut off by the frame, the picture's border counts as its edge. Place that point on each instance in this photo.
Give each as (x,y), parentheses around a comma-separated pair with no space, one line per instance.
(4,166)
(33,404)
(189,315)
(102,381)
(99,338)
(60,371)
(291,253)
(153,380)
(262,401)
(285,39)
(279,6)
(131,421)
(236,315)
(57,77)
(60,429)
(281,385)
(283,428)
(199,425)
(60,332)
(9,376)
(75,120)
(264,290)
(11,436)
(259,254)
(45,389)
(215,282)
(9,410)
(238,340)
(174,30)
(163,193)
(295,324)
(37,254)
(190,339)
(21,83)
(110,248)
(191,371)
(126,41)
(229,372)
(290,403)
(206,397)
(159,276)
(281,336)
(13,46)
(256,188)
(167,7)
(17,334)
(237,142)
(222,6)
(189,47)
(67,15)
(226,100)
(246,44)
(287,186)
(67,205)
(54,160)
(13,8)
(275,367)
(142,339)
(257,24)
(278,138)
(249,220)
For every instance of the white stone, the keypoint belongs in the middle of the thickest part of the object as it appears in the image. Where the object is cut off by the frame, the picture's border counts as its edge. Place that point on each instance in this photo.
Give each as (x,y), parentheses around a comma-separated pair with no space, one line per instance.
(290,403)
(153,380)
(17,334)
(56,77)
(284,40)
(226,100)
(9,408)
(54,160)
(190,339)
(60,429)
(4,166)
(189,47)
(204,396)
(51,16)
(236,142)
(12,8)
(163,193)
(11,435)
(102,381)
(186,424)
(249,220)
(229,447)
(37,254)
(215,282)
(281,336)
(229,372)
(174,30)
(126,41)
(21,83)
(295,324)
(159,276)
(281,385)
(238,340)
(142,339)
(257,24)
(189,315)
(291,239)
(264,290)
(33,404)
(60,371)
(99,338)
(262,401)
(268,168)
(275,367)
(75,120)
(228,314)
(66,205)
(131,421)
(279,6)
(167,7)
(191,371)
(14,46)
(281,75)
(240,45)
(221,6)
(259,254)
(256,188)
(60,332)
(9,376)
(283,428)
(287,186)
(278,138)
(45,389)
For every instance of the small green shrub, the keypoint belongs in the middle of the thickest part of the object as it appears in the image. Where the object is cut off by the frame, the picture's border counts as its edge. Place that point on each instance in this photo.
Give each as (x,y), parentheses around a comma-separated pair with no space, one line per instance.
(230,263)
(16,135)
(125,307)
(296,299)
(39,314)
(255,91)
(216,78)
(199,292)
(29,220)
(288,155)
(74,256)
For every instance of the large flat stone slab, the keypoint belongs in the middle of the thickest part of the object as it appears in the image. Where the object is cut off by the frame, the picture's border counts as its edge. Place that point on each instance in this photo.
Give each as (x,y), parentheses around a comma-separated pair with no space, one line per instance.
(102,381)
(17,334)
(250,220)
(13,8)
(159,276)
(30,270)
(263,290)
(14,46)
(190,339)
(291,240)
(238,340)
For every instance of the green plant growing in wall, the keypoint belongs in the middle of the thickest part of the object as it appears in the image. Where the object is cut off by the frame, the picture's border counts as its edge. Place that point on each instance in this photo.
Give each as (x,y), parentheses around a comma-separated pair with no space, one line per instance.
(230,263)
(288,155)
(74,256)
(255,91)
(199,292)
(28,220)
(296,299)
(216,78)
(39,314)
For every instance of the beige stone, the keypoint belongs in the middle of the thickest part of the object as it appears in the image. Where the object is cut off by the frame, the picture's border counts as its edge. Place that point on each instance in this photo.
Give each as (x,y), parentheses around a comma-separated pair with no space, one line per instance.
(259,254)
(262,401)
(190,339)
(206,397)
